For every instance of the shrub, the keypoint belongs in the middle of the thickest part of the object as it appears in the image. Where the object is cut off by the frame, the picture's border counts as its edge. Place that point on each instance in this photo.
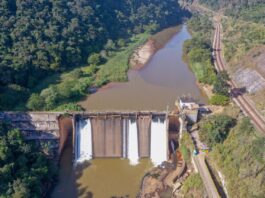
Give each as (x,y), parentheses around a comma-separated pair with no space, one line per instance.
(215,129)
(221,86)
(185,153)
(35,102)
(110,45)
(219,100)
(50,96)
(69,107)
(121,43)
(94,59)
(193,185)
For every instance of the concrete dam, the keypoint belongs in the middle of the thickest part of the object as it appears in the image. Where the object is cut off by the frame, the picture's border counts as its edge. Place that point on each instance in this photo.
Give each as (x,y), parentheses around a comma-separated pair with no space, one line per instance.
(129,135)
(122,135)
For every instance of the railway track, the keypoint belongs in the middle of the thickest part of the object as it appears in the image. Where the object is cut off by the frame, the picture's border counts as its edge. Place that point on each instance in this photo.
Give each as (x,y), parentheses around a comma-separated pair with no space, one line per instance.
(237,97)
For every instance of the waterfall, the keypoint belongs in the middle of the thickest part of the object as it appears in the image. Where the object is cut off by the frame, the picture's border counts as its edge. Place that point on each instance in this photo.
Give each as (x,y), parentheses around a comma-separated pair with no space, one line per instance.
(158,141)
(132,153)
(83,141)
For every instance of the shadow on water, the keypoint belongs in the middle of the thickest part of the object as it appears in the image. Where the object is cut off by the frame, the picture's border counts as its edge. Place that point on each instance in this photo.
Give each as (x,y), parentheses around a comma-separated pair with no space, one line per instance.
(69,175)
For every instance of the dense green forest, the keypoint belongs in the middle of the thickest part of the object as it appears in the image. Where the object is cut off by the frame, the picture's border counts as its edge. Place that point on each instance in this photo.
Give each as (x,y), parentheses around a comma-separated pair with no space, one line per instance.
(230,4)
(41,38)
(24,170)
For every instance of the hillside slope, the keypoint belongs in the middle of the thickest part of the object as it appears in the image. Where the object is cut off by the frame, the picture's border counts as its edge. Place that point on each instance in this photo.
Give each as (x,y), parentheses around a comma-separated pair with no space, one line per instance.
(40,38)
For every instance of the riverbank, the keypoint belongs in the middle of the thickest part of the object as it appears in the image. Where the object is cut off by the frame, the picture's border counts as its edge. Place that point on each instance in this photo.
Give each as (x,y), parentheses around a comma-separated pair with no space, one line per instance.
(162,180)
(197,53)
(144,52)
(129,59)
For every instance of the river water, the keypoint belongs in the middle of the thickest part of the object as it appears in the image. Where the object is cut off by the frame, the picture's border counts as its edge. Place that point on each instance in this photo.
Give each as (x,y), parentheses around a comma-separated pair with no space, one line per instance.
(155,87)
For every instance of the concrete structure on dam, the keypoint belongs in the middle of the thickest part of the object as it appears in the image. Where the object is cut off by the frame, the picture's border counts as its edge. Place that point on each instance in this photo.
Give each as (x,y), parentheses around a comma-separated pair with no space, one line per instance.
(131,135)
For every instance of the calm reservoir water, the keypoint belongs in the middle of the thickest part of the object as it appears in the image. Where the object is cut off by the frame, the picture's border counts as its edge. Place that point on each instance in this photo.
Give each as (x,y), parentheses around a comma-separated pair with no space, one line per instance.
(154,87)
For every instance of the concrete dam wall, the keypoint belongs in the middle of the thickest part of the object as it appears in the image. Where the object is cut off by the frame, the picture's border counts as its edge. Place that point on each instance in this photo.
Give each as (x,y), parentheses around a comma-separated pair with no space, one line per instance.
(130,135)
(122,135)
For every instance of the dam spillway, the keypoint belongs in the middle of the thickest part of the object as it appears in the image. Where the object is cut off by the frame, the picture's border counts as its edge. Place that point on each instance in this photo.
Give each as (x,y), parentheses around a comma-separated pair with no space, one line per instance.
(121,135)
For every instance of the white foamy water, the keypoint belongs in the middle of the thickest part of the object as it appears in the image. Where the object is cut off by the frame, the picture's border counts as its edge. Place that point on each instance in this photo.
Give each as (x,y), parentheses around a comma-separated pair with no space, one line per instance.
(158,142)
(83,141)
(133,154)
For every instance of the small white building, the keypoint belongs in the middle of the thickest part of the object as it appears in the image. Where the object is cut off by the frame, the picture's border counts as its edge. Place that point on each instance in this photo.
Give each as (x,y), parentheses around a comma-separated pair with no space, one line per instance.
(187,102)
(188,106)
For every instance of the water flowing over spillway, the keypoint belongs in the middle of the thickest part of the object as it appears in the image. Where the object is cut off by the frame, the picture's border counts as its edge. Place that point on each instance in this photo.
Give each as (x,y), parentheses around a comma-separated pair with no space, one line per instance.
(157,85)
(133,154)
(158,141)
(130,138)
(84,141)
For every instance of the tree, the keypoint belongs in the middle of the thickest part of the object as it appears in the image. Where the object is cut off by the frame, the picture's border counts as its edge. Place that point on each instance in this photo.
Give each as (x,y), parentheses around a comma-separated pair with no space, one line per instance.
(221,86)
(215,129)
(51,96)
(219,100)
(121,43)
(40,38)
(110,45)
(35,102)
(94,59)
(24,169)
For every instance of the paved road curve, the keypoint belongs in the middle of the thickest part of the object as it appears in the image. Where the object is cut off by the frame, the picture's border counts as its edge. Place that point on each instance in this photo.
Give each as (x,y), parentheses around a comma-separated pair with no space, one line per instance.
(202,168)
(210,187)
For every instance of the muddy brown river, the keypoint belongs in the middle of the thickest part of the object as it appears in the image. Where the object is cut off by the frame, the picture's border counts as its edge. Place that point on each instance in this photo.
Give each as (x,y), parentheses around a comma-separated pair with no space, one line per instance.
(155,87)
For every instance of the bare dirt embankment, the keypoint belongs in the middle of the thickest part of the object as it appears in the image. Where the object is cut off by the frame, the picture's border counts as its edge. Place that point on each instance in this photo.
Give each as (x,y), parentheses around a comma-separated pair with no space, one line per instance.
(144,53)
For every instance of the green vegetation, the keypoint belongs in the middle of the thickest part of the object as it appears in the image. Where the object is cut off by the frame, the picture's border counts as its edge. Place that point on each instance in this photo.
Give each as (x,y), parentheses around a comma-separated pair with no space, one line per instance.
(24,170)
(238,152)
(94,59)
(254,13)
(215,129)
(186,147)
(68,107)
(71,87)
(221,86)
(244,29)
(198,49)
(240,37)
(219,100)
(241,159)
(193,186)
(234,5)
(45,38)
(115,69)
(221,90)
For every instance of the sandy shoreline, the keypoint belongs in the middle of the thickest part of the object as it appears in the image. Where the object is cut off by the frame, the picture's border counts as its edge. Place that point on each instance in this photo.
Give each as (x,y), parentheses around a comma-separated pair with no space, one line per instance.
(144,52)
(142,55)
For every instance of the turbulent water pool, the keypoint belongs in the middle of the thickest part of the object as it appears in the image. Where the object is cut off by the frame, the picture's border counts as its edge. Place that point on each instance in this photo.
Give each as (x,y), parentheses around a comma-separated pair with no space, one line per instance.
(155,87)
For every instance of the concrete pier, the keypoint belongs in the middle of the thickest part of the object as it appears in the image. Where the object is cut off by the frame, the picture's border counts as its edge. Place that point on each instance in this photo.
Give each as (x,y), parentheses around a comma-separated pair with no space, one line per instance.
(144,127)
